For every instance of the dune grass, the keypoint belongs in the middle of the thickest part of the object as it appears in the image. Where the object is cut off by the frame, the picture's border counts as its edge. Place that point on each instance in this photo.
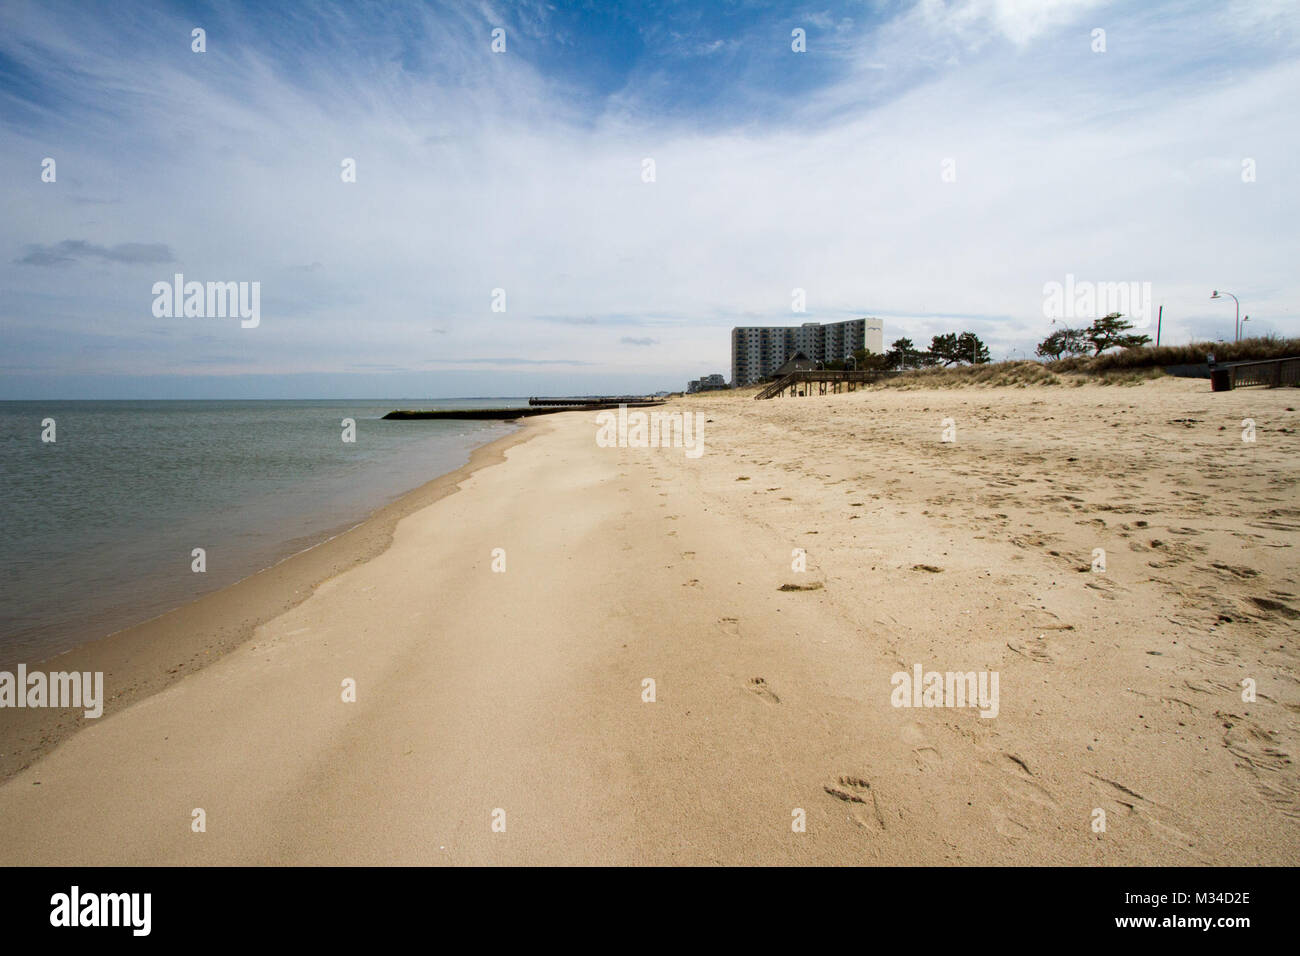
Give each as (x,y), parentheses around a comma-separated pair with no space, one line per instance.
(1121,367)
(1264,347)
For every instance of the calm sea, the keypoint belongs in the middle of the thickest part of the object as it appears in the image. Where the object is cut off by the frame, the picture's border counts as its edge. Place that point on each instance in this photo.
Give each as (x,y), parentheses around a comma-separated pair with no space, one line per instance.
(97,528)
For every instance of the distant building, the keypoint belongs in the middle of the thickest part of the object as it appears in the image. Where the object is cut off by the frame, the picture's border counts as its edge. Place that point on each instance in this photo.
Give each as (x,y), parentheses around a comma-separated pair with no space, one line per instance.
(758,352)
(707,384)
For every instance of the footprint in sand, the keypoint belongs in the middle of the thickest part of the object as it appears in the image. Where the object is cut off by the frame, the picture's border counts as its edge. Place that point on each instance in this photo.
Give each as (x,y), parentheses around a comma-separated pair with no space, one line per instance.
(1132,809)
(1102,585)
(729,626)
(1019,783)
(1214,688)
(1259,752)
(1005,823)
(1235,571)
(1035,649)
(1026,803)
(925,756)
(861,799)
(758,686)
(1275,608)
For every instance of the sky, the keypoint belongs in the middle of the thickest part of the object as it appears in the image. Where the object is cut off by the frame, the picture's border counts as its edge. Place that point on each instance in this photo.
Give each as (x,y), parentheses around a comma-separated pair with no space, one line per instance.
(934,164)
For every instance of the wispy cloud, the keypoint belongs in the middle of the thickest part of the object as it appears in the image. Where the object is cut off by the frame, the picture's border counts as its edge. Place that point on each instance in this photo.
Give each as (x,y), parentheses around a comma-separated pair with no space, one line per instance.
(72,250)
(523,171)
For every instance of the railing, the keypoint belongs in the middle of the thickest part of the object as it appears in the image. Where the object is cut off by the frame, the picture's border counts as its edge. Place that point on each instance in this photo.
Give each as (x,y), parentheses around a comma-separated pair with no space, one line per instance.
(1271,373)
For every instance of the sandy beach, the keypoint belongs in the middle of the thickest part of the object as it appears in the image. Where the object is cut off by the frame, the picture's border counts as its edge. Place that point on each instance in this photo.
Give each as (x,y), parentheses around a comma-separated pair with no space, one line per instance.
(480,690)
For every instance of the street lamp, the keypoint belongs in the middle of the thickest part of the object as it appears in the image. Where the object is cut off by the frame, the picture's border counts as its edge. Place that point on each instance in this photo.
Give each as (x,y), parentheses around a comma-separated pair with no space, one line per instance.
(1237,327)
(1244,320)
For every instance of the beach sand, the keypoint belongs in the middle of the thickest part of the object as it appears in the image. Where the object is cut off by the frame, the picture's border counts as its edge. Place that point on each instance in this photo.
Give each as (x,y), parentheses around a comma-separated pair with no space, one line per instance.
(522,690)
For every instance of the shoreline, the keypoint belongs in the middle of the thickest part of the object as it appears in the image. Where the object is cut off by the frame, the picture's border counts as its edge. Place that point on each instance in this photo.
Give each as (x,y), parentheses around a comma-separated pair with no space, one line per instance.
(137,660)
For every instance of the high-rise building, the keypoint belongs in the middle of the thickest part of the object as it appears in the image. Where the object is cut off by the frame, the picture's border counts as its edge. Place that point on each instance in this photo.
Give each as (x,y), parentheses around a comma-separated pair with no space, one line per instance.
(758,351)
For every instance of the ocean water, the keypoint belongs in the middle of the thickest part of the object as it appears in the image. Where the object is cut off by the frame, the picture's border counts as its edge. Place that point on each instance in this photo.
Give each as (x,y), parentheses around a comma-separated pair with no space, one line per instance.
(97,528)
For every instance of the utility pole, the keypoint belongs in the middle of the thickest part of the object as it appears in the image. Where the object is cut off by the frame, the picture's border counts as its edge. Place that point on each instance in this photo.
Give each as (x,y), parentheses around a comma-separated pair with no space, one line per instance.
(1159,315)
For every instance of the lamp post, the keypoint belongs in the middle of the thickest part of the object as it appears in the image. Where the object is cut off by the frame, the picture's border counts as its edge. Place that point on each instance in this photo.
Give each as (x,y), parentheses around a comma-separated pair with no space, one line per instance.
(1244,320)
(1237,326)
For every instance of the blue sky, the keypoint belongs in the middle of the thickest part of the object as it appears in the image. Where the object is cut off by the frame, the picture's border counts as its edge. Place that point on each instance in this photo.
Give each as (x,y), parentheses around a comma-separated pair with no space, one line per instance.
(522,170)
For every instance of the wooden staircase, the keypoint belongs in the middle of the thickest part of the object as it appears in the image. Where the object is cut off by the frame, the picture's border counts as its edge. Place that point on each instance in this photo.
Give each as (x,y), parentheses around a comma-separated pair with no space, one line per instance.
(780,385)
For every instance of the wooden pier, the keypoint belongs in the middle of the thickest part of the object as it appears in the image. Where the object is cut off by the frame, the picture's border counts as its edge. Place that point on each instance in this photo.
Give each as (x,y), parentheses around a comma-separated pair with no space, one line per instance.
(597,401)
(536,406)
(826,382)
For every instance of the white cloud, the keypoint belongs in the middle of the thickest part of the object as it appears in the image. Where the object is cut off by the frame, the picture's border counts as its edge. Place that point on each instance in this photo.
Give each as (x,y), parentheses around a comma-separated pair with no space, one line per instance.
(1020,21)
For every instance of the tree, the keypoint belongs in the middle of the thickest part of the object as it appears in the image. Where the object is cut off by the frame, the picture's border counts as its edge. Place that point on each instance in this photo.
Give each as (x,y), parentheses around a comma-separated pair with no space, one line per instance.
(926,359)
(944,348)
(903,354)
(971,349)
(1063,342)
(1111,331)
(869,361)
(952,349)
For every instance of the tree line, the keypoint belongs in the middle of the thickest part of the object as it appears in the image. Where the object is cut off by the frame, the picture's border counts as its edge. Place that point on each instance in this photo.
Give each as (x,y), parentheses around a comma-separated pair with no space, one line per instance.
(1107,332)
(949,349)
